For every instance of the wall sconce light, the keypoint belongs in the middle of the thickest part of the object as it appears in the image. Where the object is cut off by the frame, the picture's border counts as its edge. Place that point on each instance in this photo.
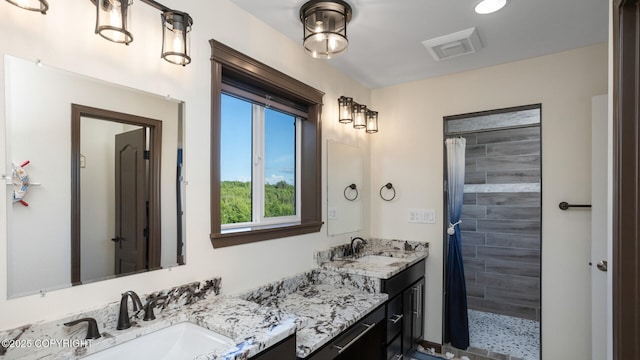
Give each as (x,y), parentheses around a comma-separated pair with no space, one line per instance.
(359,116)
(113,22)
(372,122)
(31,5)
(345,107)
(325,27)
(362,118)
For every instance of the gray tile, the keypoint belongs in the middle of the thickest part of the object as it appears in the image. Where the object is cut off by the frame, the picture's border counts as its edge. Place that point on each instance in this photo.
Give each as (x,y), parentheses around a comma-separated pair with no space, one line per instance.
(474,211)
(468,251)
(470,278)
(475,290)
(512,268)
(509,177)
(473,264)
(531,147)
(508,226)
(508,254)
(523,312)
(514,295)
(525,241)
(475,177)
(501,212)
(475,151)
(531,133)
(508,163)
(473,238)
(511,199)
(522,283)
(468,224)
(469,199)
(472,139)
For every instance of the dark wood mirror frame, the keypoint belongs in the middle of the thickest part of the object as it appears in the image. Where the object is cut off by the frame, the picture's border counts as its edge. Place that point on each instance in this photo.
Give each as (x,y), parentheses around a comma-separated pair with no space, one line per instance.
(155,146)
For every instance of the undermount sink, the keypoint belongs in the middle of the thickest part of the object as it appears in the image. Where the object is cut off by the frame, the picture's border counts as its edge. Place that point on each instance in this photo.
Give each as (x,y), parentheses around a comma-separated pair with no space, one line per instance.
(377,259)
(180,341)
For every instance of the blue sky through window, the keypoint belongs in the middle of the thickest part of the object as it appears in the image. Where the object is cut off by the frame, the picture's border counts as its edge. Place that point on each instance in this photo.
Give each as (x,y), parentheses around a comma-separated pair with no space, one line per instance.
(236,143)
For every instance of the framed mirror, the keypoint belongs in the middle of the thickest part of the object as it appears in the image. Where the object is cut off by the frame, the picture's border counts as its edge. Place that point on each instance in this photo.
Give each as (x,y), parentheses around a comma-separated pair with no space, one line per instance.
(344,188)
(105,195)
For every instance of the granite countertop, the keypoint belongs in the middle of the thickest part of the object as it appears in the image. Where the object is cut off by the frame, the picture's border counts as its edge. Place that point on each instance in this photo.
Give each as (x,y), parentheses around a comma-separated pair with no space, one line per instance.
(324,305)
(403,253)
(251,326)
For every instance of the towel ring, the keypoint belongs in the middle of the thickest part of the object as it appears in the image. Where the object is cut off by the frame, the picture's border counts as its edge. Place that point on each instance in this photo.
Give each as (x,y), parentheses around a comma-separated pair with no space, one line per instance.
(389,186)
(352,187)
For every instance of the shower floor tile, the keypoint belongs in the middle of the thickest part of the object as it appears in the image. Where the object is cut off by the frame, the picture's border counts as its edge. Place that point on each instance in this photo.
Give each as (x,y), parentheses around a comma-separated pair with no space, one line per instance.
(504,334)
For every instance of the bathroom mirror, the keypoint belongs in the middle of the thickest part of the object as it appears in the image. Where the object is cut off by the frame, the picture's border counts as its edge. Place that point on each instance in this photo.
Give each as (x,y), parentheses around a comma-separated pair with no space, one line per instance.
(77,219)
(344,188)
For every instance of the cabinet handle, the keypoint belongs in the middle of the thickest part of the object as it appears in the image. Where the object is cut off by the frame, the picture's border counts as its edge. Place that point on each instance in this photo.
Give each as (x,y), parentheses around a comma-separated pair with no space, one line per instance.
(398,357)
(396,318)
(345,347)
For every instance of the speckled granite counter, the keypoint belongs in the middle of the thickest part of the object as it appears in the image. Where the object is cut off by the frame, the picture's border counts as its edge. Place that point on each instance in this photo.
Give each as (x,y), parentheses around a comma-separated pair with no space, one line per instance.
(406,253)
(324,302)
(253,327)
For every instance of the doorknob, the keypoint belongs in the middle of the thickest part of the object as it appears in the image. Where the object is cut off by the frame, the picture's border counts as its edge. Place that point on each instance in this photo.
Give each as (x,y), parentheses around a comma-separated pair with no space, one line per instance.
(602,265)
(115,239)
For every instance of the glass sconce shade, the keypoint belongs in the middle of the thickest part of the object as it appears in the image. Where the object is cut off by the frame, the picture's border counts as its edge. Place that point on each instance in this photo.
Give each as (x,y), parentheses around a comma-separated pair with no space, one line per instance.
(359,116)
(113,20)
(32,5)
(345,108)
(372,122)
(176,37)
(325,27)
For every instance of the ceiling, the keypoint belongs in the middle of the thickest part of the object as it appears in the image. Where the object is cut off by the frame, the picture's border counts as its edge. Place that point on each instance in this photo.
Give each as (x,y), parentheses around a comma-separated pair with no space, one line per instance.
(385,36)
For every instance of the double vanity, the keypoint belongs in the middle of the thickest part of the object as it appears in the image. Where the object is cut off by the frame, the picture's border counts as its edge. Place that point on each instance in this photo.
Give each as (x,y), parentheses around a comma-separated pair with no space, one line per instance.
(363,305)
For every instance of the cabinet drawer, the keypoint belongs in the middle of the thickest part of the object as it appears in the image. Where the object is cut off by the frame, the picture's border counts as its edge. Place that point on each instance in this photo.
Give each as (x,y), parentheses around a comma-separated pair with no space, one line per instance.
(404,279)
(394,317)
(394,349)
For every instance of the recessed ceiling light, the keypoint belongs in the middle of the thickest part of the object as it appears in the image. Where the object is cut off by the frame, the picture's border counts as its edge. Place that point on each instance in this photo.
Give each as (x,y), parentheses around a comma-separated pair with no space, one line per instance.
(489,6)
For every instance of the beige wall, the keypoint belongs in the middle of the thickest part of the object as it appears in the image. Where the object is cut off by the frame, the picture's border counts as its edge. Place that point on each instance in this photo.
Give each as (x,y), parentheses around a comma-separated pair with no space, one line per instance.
(408,152)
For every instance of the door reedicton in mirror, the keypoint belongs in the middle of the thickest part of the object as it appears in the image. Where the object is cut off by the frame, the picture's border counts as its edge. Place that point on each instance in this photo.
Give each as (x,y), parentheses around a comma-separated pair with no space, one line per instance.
(344,203)
(38,128)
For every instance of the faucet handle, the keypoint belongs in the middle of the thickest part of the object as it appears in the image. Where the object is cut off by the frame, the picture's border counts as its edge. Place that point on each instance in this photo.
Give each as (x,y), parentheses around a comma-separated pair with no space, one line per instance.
(92,328)
(148,307)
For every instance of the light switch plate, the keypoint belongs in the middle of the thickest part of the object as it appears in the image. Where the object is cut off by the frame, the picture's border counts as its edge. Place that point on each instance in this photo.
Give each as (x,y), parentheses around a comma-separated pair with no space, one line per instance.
(332,213)
(422,216)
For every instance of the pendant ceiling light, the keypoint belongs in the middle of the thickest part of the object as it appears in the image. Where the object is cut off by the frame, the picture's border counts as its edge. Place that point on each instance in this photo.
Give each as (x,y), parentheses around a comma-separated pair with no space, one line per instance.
(32,5)
(325,27)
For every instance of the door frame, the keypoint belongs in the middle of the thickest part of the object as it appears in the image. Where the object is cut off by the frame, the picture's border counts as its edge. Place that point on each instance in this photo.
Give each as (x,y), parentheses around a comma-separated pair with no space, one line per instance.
(155,147)
(626,177)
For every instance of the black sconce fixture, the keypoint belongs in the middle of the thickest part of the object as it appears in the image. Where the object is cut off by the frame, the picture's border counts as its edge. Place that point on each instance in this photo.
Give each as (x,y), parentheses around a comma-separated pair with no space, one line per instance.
(113,22)
(362,118)
(31,5)
(325,27)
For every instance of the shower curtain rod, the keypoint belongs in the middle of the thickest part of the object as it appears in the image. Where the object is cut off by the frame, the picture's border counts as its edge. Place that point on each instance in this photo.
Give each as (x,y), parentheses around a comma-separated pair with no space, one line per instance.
(458,133)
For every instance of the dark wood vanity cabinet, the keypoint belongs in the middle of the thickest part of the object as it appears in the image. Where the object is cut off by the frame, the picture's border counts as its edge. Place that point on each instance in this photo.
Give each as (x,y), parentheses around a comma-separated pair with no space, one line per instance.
(284,350)
(404,311)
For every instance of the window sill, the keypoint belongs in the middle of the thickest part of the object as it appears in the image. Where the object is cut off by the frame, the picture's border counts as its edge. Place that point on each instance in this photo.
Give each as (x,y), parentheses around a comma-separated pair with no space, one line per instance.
(233,237)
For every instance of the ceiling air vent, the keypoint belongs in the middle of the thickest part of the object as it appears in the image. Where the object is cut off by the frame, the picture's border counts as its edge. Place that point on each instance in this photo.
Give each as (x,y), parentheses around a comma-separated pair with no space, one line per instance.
(459,43)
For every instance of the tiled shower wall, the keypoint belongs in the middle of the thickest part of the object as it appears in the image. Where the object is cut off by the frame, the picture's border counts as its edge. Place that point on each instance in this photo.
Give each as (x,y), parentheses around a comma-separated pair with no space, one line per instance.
(501,222)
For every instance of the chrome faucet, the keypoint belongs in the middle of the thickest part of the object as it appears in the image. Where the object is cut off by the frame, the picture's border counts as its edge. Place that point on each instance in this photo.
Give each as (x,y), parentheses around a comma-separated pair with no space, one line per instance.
(356,244)
(123,318)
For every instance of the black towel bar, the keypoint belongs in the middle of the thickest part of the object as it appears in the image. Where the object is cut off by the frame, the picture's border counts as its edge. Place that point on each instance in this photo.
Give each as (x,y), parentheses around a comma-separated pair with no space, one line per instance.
(565,206)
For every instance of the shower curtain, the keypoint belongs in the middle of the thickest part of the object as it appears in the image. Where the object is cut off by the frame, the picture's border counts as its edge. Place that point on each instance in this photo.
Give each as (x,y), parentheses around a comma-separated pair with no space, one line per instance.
(456,321)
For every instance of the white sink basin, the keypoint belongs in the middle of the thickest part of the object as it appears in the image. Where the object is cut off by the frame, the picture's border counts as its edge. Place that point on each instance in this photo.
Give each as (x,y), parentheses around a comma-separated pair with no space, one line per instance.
(378,260)
(180,341)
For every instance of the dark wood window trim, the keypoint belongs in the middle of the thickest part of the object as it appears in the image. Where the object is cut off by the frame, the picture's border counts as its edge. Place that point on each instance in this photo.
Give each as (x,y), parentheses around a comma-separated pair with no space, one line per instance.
(229,63)
(626,179)
(155,148)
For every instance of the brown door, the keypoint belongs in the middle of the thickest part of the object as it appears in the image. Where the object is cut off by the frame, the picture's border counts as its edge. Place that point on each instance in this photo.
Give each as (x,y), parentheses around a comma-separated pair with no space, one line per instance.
(131,202)
(626,179)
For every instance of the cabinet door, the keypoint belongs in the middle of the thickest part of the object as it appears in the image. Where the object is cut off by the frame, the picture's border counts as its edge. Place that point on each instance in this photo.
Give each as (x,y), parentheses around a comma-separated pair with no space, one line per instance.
(407,320)
(418,311)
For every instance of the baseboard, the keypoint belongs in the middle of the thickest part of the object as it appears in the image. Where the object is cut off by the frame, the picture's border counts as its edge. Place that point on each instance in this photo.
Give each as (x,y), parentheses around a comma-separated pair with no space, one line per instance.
(428,345)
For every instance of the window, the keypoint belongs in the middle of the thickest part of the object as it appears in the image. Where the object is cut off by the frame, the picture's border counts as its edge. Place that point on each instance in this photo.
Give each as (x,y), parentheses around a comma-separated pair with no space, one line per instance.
(258,164)
(265,152)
